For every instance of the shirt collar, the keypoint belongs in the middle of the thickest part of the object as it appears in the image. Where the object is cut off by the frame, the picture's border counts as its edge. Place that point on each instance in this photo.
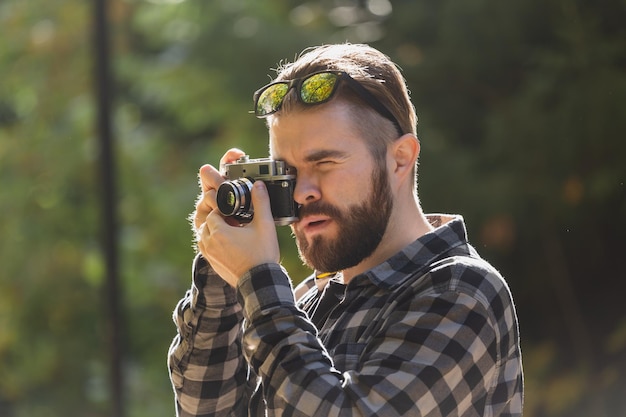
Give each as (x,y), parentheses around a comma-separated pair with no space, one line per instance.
(449,233)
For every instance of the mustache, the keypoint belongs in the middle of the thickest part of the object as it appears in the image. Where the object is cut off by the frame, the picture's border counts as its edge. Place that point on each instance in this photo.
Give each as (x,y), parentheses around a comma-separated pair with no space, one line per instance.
(319,208)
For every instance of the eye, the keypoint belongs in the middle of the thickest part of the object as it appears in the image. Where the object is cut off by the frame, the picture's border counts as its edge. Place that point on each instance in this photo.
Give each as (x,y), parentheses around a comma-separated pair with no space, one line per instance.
(326,162)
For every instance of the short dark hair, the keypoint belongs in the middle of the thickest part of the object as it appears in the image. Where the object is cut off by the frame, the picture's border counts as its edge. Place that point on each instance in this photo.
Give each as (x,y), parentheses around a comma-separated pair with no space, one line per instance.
(373,70)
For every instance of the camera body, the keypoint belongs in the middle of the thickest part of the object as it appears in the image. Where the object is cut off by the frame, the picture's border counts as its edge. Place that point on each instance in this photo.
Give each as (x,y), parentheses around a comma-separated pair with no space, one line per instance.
(234,198)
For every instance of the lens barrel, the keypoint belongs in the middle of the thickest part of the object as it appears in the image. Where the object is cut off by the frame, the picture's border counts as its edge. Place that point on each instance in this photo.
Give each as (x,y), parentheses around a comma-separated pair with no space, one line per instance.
(234,198)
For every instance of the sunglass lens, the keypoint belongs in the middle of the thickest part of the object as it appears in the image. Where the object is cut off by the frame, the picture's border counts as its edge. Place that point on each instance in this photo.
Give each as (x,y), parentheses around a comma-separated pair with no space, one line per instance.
(318,88)
(270,99)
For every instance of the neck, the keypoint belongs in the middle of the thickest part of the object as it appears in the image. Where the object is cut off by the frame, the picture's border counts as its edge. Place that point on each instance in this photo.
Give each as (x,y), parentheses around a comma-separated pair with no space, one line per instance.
(405,226)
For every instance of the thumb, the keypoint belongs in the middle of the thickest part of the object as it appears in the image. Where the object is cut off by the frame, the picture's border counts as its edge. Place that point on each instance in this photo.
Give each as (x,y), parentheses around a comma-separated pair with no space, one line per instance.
(261,202)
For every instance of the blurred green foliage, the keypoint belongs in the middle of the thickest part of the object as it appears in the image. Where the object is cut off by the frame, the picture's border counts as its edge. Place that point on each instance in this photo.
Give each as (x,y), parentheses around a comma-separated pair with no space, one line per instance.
(522,114)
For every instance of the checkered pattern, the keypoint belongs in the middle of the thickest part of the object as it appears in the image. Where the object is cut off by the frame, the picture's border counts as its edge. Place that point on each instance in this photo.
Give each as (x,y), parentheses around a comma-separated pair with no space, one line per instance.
(205,363)
(430,332)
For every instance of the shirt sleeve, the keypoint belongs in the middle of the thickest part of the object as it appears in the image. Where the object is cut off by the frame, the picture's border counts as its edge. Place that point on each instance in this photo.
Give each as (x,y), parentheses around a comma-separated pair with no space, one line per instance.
(206,366)
(434,356)
(281,345)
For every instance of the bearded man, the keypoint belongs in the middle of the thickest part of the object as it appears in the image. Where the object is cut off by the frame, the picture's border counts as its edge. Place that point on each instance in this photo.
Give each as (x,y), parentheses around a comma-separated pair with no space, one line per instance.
(401,317)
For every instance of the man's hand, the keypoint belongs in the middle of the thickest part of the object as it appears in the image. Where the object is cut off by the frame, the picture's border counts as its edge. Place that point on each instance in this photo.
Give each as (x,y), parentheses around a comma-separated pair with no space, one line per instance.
(230,248)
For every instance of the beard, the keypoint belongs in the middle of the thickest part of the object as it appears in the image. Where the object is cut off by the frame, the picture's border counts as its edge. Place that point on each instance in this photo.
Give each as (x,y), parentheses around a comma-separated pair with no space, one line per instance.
(361,229)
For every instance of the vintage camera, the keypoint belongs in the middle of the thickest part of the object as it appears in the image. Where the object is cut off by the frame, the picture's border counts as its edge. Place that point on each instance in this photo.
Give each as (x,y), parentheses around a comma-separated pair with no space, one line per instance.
(234,198)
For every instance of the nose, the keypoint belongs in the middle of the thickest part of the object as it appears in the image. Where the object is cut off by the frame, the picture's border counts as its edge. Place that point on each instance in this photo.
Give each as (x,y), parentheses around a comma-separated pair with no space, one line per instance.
(306,191)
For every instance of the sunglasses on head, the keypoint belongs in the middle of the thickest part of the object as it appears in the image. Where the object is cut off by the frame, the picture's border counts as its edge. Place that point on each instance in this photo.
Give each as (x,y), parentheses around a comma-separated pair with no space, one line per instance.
(316,88)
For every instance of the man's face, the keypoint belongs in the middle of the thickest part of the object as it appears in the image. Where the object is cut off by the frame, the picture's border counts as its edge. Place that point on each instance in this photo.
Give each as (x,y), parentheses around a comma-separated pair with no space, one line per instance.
(361,228)
(345,196)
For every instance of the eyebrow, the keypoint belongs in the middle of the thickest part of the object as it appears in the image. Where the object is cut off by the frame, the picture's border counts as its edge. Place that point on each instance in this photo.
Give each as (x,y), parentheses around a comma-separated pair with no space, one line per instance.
(325,153)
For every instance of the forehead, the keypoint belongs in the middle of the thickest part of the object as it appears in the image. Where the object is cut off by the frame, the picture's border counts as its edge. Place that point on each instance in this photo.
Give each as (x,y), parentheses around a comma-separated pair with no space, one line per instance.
(327,126)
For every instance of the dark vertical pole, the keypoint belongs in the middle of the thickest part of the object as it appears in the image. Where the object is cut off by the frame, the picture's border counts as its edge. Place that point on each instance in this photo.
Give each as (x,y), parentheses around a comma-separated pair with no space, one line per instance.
(102,73)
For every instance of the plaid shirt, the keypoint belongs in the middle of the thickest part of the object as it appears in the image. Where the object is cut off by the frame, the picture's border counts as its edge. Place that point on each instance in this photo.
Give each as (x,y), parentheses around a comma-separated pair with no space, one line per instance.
(430,332)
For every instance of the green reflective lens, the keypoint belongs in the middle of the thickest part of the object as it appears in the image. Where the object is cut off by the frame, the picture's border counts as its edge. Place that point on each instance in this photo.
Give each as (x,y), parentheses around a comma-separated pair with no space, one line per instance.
(318,88)
(315,88)
(271,98)
(230,199)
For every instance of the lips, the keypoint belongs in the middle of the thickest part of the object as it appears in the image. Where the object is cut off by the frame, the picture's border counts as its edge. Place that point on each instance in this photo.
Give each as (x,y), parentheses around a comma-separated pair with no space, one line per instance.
(313,223)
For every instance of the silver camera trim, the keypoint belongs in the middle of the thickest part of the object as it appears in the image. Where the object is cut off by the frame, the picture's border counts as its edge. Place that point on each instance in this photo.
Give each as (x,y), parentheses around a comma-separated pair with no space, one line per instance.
(278,171)
(246,167)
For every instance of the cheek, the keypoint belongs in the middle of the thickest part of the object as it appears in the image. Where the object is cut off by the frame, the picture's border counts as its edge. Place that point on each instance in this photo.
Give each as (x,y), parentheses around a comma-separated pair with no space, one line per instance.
(346,188)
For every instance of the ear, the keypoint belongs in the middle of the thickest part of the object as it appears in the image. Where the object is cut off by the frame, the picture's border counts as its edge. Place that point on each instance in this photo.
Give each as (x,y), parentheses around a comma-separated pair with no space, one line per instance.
(403,152)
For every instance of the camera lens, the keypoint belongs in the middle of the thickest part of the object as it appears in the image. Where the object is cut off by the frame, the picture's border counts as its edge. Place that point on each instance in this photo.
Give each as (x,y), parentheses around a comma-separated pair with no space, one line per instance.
(234,198)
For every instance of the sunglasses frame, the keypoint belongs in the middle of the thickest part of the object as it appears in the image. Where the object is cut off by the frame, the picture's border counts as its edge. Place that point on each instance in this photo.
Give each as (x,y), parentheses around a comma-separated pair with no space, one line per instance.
(361,91)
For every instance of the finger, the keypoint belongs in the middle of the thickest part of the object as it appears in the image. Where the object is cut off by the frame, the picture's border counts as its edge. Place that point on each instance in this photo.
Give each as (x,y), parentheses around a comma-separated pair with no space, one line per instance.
(208,233)
(210,178)
(263,223)
(211,228)
(231,156)
(205,204)
(261,204)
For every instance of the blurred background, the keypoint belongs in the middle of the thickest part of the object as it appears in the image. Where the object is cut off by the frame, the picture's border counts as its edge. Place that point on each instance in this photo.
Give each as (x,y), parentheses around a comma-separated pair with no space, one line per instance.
(522,108)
